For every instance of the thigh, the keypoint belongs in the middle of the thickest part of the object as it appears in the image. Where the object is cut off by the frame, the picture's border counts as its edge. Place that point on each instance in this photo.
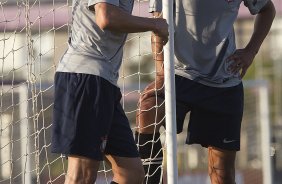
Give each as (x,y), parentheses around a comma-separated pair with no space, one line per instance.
(151,114)
(120,138)
(184,88)
(151,108)
(216,120)
(83,113)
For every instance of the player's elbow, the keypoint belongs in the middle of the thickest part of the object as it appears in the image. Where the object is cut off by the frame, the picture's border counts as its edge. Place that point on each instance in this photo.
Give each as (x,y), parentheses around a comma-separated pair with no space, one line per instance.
(104,16)
(271,10)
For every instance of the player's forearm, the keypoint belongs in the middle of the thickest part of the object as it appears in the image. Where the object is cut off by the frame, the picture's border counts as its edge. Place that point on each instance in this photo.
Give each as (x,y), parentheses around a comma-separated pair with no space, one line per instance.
(130,24)
(110,17)
(158,54)
(157,50)
(262,26)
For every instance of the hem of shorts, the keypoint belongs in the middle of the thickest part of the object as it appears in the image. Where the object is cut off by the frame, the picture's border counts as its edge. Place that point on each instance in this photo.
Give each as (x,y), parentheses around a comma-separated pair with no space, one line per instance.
(206,145)
(75,153)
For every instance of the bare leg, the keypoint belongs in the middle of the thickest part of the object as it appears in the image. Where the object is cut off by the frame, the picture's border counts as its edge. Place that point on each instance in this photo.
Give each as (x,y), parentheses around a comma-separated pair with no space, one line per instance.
(81,170)
(221,166)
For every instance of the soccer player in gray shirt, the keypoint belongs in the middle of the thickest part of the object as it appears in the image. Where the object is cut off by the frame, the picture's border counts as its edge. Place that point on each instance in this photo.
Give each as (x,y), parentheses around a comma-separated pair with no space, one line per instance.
(89,123)
(209,69)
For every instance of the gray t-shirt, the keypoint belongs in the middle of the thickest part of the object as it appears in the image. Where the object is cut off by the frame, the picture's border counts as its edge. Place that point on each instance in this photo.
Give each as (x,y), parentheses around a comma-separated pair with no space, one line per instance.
(92,50)
(204,38)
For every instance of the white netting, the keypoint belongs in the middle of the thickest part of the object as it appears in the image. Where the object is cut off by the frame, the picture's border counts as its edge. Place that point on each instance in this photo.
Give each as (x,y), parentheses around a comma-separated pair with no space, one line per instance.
(33,36)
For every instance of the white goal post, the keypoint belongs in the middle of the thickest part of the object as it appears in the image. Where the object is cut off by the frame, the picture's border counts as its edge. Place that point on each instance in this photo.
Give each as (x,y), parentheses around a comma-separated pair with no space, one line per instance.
(264,120)
(170,103)
(8,131)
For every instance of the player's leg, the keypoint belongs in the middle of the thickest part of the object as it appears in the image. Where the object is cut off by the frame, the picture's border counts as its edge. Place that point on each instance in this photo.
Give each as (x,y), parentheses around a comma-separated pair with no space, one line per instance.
(222,154)
(222,145)
(149,119)
(81,170)
(215,123)
(221,165)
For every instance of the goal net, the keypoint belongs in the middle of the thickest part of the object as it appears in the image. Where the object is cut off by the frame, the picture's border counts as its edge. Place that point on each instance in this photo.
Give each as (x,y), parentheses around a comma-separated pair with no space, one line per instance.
(33,37)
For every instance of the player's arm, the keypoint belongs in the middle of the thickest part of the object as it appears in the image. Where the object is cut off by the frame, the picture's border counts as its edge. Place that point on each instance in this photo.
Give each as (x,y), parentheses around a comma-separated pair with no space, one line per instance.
(263,22)
(111,17)
(243,58)
(158,57)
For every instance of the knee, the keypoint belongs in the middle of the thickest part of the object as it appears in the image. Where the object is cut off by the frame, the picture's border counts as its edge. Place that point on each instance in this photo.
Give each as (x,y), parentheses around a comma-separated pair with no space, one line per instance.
(147,104)
(137,176)
(133,176)
(150,115)
(81,170)
(79,178)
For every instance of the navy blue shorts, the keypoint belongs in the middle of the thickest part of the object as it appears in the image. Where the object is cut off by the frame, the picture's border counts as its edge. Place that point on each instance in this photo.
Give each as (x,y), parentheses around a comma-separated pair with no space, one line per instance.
(88,119)
(215,113)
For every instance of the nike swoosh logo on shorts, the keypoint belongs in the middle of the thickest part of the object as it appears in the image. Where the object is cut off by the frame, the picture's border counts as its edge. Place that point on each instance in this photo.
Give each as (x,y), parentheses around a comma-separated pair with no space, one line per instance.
(228,141)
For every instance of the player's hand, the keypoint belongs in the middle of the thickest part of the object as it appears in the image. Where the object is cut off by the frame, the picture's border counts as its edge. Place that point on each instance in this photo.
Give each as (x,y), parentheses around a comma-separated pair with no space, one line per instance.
(241,60)
(161,29)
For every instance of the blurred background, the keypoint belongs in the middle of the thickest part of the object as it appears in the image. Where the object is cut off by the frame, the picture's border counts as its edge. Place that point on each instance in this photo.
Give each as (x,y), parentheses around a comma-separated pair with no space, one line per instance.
(34,36)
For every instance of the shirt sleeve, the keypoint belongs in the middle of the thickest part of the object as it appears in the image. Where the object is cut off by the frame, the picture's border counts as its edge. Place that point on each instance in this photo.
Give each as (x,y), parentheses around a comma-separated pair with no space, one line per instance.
(155,6)
(112,2)
(255,6)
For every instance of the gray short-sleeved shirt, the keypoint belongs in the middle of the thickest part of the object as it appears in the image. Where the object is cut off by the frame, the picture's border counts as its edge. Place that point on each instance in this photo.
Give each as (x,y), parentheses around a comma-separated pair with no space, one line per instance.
(204,38)
(92,50)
